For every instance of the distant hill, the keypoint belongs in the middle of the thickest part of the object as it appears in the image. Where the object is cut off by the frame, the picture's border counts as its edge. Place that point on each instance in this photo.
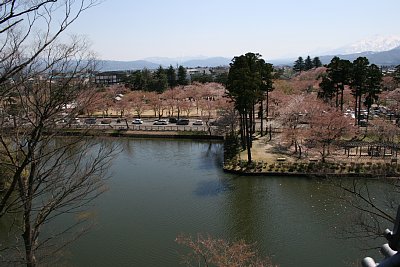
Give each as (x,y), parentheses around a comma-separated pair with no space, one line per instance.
(207,62)
(390,57)
(113,65)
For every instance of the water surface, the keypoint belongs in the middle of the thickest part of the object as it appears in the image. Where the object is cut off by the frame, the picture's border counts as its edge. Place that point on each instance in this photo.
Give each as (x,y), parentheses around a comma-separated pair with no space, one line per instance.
(161,188)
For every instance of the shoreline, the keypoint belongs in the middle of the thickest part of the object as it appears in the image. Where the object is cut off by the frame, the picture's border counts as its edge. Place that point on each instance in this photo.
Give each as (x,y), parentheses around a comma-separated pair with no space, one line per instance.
(143,134)
(314,170)
(260,168)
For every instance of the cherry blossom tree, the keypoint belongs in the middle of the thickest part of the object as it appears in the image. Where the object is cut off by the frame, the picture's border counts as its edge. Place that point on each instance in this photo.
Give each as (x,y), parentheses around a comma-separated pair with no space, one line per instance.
(157,103)
(170,97)
(327,125)
(106,101)
(137,101)
(207,251)
(293,117)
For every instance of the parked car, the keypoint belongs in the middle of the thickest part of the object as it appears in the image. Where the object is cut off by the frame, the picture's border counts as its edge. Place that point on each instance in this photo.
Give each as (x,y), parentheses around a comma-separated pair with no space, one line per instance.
(106,121)
(75,121)
(160,122)
(90,120)
(137,121)
(172,120)
(60,121)
(182,122)
(198,122)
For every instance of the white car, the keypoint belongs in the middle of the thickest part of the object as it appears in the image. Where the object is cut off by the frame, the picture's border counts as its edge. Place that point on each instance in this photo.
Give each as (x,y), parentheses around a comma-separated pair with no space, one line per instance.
(198,122)
(75,121)
(160,122)
(137,121)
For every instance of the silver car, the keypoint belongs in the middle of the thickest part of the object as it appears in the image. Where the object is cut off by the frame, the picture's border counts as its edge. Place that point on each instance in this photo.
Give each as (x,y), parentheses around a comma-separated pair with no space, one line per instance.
(160,122)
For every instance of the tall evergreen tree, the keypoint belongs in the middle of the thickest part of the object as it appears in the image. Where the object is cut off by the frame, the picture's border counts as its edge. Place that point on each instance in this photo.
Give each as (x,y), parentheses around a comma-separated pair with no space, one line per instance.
(316,62)
(160,80)
(267,87)
(327,91)
(249,76)
(358,83)
(396,74)
(171,76)
(373,87)
(299,65)
(339,71)
(146,80)
(182,73)
(308,65)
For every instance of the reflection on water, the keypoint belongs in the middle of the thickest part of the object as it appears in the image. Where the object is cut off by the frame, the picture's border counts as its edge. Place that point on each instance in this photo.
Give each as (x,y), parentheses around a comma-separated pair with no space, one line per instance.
(161,188)
(212,187)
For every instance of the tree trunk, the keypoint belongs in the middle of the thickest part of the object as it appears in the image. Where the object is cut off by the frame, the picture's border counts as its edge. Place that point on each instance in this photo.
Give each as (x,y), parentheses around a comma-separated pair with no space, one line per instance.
(323,154)
(341,97)
(270,132)
(248,139)
(261,119)
(299,151)
(127,124)
(337,96)
(252,120)
(355,110)
(359,109)
(368,112)
(29,252)
(242,131)
(266,106)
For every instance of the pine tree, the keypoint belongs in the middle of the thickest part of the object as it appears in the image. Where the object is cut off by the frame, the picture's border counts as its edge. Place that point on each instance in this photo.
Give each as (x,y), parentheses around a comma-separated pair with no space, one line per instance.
(359,76)
(182,76)
(249,78)
(171,76)
(396,74)
(308,65)
(299,65)
(316,62)
(373,87)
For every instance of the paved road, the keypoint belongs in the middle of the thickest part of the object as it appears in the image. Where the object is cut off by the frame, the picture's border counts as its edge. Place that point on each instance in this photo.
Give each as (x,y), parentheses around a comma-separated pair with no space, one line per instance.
(147,125)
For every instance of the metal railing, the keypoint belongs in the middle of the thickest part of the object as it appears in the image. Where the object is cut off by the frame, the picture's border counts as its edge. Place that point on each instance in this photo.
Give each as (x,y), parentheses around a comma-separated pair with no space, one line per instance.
(171,128)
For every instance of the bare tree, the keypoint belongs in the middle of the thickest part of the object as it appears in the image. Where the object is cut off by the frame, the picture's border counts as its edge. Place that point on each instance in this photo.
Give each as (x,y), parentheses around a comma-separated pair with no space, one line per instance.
(209,251)
(372,207)
(44,85)
(27,28)
(44,176)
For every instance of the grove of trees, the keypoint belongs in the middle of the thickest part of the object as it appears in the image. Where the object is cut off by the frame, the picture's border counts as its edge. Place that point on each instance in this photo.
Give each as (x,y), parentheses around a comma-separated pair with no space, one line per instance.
(249,80)
(306,64)
(364,80)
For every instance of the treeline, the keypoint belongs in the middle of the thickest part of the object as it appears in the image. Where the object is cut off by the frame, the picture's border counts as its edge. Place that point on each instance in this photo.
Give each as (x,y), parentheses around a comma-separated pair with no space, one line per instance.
(157,81)
(306,64)
(162,79)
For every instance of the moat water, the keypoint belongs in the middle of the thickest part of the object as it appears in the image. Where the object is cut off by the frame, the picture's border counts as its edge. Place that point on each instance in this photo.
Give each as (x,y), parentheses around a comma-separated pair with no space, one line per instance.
(161,188)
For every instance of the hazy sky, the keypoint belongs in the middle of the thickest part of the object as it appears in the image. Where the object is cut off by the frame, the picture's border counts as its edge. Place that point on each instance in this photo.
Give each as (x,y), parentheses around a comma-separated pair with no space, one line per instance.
(136,29)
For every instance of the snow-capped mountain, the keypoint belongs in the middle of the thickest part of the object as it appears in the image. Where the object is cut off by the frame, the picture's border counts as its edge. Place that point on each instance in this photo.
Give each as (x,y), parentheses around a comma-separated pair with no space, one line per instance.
(376,43)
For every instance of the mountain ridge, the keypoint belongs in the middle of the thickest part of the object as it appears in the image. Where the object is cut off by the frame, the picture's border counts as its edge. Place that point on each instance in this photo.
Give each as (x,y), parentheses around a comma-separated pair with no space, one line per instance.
(116,65)
(380,50)
(384,58)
